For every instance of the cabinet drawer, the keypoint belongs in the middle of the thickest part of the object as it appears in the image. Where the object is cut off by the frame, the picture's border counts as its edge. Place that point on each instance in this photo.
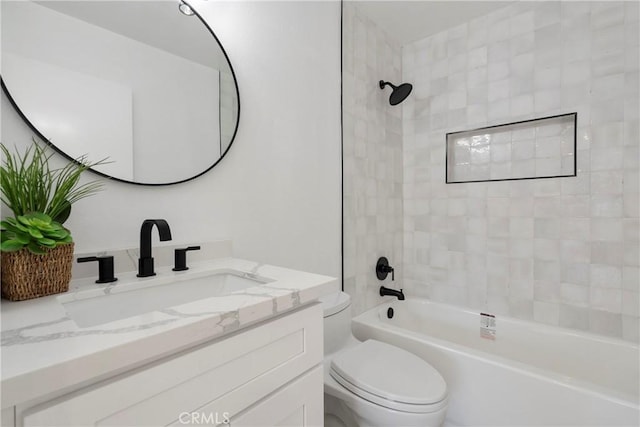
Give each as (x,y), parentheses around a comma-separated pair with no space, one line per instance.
(256,361)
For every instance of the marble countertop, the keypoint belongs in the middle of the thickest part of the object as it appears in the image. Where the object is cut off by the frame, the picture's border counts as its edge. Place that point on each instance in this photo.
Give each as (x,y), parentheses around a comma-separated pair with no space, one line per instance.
(44,351)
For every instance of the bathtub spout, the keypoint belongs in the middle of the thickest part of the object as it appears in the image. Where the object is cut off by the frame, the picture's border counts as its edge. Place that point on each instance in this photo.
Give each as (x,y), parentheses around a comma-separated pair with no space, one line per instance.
(392,292)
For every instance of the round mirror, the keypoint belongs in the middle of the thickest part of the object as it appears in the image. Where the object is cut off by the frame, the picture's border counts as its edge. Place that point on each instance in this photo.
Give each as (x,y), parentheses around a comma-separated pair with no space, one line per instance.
(144,83)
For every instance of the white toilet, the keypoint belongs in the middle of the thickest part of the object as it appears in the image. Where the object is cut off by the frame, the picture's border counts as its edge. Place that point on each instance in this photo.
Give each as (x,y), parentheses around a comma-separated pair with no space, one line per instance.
(372,383)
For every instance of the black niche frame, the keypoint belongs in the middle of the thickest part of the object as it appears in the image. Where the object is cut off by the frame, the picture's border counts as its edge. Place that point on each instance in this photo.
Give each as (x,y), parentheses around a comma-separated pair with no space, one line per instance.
(575,149)
(45,140)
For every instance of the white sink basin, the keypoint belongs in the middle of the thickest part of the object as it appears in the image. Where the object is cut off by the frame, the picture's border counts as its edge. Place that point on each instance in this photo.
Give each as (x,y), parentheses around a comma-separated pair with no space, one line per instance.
(95,307)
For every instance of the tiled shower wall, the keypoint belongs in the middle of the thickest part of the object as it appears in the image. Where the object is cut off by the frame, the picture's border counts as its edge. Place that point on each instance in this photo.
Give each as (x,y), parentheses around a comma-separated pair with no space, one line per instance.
(561,251)
(372,157)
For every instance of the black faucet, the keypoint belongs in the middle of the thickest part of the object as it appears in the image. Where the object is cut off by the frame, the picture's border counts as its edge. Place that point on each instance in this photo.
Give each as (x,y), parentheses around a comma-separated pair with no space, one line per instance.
(145,262)
(386,291)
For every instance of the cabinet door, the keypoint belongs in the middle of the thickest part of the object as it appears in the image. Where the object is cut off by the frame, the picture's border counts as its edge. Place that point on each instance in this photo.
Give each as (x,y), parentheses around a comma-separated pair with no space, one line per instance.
(228,375)
(298,404)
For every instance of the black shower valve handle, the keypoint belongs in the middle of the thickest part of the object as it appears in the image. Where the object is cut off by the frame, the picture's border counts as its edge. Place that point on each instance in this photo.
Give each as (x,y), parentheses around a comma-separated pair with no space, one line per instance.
(392,271)
(180,258)
(388,269)
(383,269)
(105,267)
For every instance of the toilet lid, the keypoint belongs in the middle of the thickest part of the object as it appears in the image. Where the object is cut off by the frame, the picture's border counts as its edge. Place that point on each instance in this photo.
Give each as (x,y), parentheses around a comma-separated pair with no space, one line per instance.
(384,372)
(334,303)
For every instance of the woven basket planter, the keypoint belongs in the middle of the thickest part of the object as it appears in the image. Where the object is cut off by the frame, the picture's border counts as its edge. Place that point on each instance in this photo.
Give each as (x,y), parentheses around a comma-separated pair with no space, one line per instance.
(26,275)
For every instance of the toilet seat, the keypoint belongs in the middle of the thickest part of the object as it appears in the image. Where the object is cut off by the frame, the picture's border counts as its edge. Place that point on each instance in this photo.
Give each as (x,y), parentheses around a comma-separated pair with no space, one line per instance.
(390,377)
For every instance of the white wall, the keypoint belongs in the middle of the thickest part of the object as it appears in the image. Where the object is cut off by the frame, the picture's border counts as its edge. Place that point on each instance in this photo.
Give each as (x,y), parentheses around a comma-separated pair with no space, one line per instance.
(277,192)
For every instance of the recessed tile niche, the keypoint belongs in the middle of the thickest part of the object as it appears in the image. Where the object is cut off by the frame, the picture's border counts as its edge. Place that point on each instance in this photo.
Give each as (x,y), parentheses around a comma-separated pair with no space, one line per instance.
(538,148)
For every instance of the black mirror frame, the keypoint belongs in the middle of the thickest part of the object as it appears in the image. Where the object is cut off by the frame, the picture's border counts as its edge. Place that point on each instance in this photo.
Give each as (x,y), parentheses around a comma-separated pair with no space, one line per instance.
(233,137)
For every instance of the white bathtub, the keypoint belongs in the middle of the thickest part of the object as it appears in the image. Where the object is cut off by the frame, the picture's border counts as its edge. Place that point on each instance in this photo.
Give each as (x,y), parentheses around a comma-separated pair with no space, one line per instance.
(530,375)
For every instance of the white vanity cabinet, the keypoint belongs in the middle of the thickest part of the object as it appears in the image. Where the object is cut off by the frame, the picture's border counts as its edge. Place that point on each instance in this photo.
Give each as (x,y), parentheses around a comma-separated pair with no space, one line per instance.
(298,404)
(266,375)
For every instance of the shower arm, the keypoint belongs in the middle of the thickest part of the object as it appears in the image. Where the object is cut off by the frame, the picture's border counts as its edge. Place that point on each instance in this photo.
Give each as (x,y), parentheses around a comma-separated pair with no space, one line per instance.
(383,84)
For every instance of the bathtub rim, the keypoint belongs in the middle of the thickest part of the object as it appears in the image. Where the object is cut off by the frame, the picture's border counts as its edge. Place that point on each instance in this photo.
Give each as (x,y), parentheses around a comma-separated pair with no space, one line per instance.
(373,318)
(545,326)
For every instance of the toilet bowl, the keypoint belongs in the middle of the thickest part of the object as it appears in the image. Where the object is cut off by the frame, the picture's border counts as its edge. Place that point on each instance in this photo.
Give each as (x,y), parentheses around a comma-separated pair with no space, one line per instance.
(372,383)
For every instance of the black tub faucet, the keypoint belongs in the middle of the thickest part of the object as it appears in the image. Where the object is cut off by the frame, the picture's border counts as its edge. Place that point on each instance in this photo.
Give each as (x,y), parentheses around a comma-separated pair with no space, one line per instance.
(145,262)
(392,292)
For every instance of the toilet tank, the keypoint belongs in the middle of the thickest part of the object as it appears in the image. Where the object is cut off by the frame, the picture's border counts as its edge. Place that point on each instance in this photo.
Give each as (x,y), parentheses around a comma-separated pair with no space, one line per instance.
(337,321)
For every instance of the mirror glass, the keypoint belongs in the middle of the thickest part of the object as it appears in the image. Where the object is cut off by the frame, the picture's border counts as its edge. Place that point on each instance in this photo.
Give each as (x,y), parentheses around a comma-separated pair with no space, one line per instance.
(138,82)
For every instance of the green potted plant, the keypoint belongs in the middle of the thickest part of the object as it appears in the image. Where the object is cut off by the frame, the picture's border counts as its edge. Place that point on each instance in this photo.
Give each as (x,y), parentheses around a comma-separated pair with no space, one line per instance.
(37,250)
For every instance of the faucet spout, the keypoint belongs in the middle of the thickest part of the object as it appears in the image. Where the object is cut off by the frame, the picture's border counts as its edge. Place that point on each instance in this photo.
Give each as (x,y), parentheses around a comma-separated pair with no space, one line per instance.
(392,292)
(145,262)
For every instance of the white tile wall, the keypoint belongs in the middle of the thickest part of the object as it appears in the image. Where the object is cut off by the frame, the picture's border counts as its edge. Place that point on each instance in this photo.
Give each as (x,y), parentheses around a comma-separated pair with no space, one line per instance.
(560,251)
(372,157)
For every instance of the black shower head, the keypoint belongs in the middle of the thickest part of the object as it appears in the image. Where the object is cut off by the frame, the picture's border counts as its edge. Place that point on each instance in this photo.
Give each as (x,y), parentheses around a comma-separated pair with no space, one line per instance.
(399,93)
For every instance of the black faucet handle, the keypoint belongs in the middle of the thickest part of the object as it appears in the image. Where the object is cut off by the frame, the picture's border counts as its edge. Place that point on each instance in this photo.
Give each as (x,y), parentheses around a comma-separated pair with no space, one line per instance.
(180,257)
(383,269)
(105,267)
